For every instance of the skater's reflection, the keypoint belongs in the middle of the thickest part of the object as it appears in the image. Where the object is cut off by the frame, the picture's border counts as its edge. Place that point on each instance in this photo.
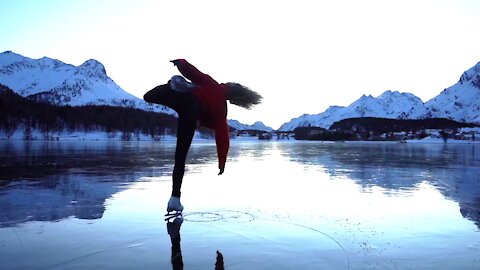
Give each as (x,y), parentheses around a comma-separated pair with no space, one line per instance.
(173,229)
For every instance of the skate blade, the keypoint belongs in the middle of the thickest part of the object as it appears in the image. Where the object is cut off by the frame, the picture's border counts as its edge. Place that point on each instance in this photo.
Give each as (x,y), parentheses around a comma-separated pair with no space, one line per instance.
(172,215)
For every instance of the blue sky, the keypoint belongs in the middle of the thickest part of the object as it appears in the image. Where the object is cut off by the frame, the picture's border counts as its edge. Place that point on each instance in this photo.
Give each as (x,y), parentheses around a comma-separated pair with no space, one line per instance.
(302,56)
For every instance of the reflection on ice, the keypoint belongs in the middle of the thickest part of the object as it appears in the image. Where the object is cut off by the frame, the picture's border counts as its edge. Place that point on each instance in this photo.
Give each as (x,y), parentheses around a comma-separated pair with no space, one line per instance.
(50,181)
(57,198)
(453,169)
(257,243)
(173,229)
(289,205)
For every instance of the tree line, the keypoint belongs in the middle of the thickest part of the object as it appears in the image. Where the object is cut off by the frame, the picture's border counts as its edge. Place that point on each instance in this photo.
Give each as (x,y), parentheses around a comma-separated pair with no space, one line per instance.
(384,125)
(17,111)
(371,128)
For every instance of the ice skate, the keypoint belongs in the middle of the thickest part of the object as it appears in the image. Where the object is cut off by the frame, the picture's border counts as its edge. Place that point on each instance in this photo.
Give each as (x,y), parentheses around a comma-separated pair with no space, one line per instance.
(174,208)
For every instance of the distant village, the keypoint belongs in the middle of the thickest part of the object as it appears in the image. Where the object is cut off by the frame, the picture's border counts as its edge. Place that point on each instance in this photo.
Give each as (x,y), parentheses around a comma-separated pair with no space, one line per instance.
(370,129)
(463,134)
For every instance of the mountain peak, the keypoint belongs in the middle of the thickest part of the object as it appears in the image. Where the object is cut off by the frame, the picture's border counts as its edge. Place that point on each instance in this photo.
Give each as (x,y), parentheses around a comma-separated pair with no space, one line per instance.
(93,64)
(10,53)
(473,72)
(8,57)
(255,126)
(364,98)
(461,101)
(389,94)
(93,69)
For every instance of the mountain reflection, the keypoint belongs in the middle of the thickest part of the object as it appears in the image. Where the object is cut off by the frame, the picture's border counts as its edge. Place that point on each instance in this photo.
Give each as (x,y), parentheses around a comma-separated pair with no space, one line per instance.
(54,180)
(55,198)
(454,169)
(50,181)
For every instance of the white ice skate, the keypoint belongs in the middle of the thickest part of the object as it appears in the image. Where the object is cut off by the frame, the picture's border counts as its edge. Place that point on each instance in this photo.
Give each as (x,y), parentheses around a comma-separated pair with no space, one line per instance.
(174,208)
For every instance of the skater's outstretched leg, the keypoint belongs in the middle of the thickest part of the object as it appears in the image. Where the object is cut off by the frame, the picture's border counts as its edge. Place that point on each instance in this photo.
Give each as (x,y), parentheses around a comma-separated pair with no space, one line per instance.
(164,95)
(173,94)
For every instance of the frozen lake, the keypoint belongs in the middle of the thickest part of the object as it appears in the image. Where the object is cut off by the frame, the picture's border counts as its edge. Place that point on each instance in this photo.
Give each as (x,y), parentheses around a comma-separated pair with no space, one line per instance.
(279,205)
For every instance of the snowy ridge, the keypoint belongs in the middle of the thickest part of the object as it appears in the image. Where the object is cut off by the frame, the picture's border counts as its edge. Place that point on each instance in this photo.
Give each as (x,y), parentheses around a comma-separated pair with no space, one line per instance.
(390,104)
(58,83)
(460,102)
(53,81)
(255,126)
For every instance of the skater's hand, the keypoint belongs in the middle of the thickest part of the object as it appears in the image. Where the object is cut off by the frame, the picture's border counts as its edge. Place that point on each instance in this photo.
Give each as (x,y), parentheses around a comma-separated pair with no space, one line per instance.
(221,171)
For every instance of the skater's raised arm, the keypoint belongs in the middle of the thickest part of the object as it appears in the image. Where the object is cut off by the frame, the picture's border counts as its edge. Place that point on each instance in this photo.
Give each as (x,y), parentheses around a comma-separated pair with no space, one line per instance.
(192,73)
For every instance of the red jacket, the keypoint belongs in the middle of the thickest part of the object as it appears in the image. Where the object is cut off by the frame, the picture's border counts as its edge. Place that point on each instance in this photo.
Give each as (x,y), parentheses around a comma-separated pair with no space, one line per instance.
(213,100)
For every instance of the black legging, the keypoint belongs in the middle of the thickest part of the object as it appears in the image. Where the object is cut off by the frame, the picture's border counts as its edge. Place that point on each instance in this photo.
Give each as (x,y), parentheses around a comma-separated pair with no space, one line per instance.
(188,109)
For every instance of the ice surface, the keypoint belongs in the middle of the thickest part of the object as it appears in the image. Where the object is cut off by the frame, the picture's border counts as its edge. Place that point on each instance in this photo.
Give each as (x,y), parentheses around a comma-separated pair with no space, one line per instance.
(288,205)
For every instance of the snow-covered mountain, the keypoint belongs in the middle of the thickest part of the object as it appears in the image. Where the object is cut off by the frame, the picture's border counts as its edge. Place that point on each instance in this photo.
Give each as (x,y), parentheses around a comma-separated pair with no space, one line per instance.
(255,126)
(460,102)
(53,81)
(390,104)
(59,83)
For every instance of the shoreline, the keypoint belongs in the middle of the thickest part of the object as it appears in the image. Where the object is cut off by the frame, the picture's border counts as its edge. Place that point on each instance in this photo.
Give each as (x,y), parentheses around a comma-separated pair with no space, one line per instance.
(170,138)
(117,136)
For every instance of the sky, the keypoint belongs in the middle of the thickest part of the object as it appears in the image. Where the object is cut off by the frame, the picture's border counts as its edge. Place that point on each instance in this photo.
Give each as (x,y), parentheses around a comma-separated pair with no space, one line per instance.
(301,56)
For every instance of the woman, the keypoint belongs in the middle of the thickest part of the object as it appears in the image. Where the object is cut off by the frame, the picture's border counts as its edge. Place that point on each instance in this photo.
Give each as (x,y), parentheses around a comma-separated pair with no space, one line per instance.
(202,100)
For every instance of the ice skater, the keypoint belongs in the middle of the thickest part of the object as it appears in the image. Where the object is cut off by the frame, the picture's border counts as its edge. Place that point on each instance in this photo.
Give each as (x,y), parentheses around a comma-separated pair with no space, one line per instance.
(201,100)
